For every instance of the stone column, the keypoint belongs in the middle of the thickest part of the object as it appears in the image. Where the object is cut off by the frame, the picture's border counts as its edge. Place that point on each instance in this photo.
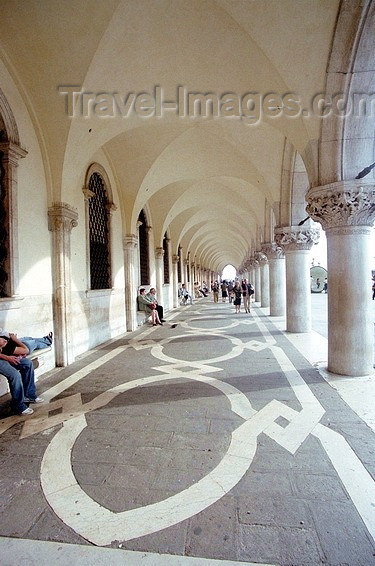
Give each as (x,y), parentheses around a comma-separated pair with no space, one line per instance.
(264,280)
(175,259)
(130,243)
(184,273)
(297,242)
(61,219)
(346,212)
(192,279)
(276,261)
(159,272)
(256,283)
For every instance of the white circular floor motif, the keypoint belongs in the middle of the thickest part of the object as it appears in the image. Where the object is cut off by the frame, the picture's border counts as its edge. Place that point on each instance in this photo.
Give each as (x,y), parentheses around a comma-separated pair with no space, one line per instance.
(189,323)
(157,349)
(100,525)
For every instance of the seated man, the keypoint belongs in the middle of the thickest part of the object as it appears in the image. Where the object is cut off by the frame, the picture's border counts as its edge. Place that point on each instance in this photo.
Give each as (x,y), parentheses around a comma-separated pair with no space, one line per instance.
(19,372)
(185,295)
(152,296)
(25,345)
(148,306)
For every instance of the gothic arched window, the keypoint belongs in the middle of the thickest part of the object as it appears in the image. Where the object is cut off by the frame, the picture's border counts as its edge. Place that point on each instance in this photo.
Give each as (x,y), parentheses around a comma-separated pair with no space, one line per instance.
(99,244)
(166,258)
(179,265)
(143,250)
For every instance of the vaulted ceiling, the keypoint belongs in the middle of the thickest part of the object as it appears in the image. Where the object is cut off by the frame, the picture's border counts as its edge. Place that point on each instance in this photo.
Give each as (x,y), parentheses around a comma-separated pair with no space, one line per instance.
(204,180)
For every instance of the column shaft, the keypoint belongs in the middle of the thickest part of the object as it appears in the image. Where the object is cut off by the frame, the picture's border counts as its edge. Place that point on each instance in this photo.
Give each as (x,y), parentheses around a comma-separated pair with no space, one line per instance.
(277,286)
(346,211)
(350,327)
(298,304)
(257,283)
(131,269)
(61,219)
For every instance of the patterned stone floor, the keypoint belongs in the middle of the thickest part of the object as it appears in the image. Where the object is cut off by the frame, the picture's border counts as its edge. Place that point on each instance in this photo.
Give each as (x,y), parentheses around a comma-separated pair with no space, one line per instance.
(210,440)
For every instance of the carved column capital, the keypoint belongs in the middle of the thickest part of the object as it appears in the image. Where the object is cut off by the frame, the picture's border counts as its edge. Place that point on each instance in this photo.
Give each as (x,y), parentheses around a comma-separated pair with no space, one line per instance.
(261,258)
(130,242)
(62,216)
(254,262)
(159,253)
(296,237)
(345,203)
(175,258)
(272,250)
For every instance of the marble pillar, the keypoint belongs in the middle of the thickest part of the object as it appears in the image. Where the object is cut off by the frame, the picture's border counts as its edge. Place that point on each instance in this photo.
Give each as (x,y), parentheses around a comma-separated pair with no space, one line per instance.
(175,260)
(297,241)
(264,280)
(61,219)
(159,273)
(130,243)
(257,281)
(346,212)
(276,262)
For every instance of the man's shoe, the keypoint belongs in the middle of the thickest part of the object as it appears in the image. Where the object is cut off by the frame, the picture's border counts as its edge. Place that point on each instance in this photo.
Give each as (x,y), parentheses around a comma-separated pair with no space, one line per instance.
(27,411)
(162,320)
(36,400)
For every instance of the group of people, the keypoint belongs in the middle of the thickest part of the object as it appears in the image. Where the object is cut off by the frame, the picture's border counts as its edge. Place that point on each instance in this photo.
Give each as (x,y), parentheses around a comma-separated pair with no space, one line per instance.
(19,370)
(148,303)
(200,290)
(235,291)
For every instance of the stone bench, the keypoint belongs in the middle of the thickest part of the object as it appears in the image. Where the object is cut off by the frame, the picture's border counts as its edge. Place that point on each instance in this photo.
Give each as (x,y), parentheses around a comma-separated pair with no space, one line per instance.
(142,318)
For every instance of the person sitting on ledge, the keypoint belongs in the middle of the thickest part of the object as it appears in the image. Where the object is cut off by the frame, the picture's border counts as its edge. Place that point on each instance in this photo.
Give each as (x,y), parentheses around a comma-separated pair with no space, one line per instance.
(25,345)
(148,306)
(19,370)
(152,296)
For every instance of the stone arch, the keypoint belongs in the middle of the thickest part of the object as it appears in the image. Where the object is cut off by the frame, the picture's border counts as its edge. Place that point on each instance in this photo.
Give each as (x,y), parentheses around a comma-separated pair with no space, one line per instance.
(8,122)
(10,153)
(347,142)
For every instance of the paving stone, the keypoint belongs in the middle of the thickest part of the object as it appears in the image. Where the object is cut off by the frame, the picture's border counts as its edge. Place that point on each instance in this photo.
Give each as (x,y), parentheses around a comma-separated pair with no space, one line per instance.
(104,420)
(49,527)
(284,546)
(271,484)
(21,466)
(118,500)
(209,441)
(166,424)
(168,541)
(92,473)
(104,453)
(319,487)
(128,476)
(281,511)
(213,533)
(23,509)
(224,426)
(175,479)
(195,459)
(342,534)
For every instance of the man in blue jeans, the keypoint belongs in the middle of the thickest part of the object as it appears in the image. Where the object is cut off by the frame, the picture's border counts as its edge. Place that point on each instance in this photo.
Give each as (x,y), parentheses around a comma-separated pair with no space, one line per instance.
(19,372)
